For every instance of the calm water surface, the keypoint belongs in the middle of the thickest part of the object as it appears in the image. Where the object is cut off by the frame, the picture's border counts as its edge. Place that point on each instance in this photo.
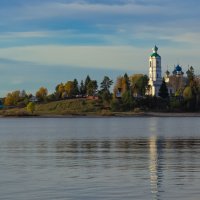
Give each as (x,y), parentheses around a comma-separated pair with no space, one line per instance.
(100,158)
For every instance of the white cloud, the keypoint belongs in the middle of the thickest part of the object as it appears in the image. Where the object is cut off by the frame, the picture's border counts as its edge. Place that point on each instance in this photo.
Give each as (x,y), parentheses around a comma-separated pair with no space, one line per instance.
(36,34)
(80,10)
(28,34)
(111,57)
(187,37)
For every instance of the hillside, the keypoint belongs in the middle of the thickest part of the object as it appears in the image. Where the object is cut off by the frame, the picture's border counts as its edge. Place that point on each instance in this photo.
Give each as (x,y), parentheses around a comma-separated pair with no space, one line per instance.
(68,107)
(64,107)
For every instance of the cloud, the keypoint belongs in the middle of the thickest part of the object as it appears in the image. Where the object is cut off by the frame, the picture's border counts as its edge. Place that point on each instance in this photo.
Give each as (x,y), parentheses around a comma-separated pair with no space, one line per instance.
(110,57)
(80,10)
(27,34)
(187,37)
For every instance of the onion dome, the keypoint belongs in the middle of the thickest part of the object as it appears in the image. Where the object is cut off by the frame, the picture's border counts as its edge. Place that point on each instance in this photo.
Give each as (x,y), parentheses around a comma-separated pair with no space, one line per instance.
(155,54)
(177,70)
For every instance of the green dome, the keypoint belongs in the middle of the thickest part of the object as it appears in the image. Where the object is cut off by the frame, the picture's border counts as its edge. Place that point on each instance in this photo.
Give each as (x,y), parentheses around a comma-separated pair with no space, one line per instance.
(155,54)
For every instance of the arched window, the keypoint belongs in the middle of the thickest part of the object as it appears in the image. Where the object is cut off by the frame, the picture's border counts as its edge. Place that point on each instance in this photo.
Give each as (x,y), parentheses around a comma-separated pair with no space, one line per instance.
(150,63)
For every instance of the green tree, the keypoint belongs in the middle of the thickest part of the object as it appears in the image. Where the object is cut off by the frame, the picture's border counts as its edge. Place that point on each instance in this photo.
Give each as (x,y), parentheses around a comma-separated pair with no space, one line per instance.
(31,107)
(76,87)
(106,84)
(82,88)
(127,101)
(143,84)
(190,74)
(139,84)
(192,91)
(92,87)
(105,89)
(163,91)
(87,81)
(126,82)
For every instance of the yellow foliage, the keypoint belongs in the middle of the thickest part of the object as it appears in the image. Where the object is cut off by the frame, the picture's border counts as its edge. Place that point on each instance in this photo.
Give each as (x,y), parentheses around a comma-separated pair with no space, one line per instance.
(42,93)
(30,107)
(120,85)
(187,93)
(69,86)
(12,98)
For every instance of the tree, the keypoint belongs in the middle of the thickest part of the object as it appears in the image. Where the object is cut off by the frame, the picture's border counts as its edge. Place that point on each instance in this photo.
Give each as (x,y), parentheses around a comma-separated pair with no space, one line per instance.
(122,85)
(105,86)
(127,101)
(9,100)
(139,84)
(12,98)
(92,87)
(31,107)
(163,91)
(187,93)
(192,91)
(76,87)
(106,83)
(143,84)
(190,74)
(87,81)
(60,89)
(82,89)
(69,88)
(42,93)
(126,82)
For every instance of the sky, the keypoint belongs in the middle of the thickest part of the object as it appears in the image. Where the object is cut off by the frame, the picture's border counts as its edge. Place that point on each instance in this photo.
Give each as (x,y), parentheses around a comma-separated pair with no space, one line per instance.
(45,42)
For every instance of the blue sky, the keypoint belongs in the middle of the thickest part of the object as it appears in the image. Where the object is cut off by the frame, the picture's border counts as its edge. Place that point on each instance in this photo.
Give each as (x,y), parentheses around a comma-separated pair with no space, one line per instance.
(43,43)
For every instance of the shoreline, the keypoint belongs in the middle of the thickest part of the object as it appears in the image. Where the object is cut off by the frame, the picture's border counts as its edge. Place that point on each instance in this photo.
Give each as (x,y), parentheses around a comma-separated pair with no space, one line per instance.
(109,115)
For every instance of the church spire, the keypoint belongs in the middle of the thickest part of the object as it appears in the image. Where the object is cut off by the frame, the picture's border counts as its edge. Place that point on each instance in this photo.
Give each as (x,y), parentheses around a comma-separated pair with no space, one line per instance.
(155,49)
(155,75)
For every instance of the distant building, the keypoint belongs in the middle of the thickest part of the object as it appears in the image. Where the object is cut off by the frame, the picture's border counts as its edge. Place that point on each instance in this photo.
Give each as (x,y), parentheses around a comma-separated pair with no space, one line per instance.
(155,77)
(33,99)
(22,94)
(118,93)
(176,82)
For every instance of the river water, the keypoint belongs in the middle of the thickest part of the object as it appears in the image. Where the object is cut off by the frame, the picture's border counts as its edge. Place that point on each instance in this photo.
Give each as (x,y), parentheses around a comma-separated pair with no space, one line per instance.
(100,158)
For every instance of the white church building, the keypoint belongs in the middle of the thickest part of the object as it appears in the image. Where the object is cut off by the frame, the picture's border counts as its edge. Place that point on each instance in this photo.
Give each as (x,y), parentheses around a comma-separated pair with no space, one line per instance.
(175,82)
(155,74)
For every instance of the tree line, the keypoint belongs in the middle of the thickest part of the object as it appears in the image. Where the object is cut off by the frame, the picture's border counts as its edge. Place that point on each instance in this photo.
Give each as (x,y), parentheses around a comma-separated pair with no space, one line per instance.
(129,93)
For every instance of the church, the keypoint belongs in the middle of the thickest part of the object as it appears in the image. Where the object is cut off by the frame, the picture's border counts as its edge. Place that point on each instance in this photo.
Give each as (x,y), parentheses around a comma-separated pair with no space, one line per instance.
(155,73)
(175,82)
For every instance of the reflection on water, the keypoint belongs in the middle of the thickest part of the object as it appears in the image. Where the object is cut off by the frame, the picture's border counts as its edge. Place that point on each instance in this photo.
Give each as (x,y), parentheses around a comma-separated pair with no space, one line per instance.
(155,166)
(125,167)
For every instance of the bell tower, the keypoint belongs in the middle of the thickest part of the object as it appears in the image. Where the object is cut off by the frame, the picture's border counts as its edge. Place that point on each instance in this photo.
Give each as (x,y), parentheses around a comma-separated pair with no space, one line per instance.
(155,77)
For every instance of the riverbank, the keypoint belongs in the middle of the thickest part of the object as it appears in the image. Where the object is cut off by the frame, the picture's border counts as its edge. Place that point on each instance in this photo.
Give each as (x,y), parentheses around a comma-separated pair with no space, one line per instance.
(101,115)
(84,108)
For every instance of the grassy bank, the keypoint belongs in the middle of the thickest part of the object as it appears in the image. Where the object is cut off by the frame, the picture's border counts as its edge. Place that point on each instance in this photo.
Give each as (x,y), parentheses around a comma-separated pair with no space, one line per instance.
(60,108)
(82,107)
